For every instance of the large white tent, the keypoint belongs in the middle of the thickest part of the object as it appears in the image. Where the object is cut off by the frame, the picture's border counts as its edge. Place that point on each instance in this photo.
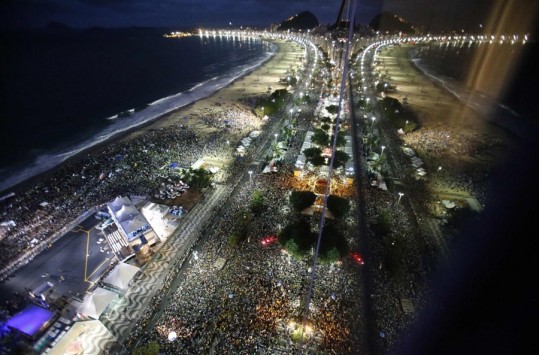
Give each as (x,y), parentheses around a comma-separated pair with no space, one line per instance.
(88,338)
(126,212)
(121,276)
(128,219)
(119,202)
(95,303)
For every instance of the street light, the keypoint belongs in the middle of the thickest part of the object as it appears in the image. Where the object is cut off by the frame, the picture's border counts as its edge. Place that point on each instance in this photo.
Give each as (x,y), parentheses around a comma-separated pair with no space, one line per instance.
(372,125)
(400,196)
(251,176)
(382,153)
(275,136)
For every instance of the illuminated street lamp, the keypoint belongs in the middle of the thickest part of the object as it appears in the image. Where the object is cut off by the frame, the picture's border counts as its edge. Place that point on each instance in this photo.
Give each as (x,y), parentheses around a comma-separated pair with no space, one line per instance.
(400,196)
(275,136)
(251,176)
(382,153)
(372,125)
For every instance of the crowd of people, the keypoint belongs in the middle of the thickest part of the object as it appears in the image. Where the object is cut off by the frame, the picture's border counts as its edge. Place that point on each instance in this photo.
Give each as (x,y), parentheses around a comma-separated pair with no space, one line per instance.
(235,117)
(136,166)
(406,250)
(255,303)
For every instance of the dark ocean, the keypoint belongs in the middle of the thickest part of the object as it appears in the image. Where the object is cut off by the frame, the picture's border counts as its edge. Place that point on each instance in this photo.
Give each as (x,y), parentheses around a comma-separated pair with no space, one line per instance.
(61,90)
(514,101)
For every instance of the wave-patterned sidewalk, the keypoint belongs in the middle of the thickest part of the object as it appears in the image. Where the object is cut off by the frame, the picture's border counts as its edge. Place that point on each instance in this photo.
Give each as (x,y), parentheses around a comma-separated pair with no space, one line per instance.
(132,305)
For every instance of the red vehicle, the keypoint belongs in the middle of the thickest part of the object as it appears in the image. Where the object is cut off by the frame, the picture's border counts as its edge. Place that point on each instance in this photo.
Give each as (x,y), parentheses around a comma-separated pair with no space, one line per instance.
(268,240)
(357,258)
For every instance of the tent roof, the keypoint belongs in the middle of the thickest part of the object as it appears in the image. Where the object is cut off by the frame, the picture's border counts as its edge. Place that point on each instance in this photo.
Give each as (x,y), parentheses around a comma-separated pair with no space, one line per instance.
(126,212)
(119,202)
(133,224)
(155,208)
(88,338)
(121,275)
(95,303)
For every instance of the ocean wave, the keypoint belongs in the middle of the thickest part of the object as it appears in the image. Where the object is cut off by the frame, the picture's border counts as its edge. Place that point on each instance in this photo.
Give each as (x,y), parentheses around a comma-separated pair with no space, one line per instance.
(155,110)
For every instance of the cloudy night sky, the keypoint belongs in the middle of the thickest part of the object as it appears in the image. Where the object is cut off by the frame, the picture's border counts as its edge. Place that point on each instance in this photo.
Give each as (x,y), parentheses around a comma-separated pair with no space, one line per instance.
(434,14)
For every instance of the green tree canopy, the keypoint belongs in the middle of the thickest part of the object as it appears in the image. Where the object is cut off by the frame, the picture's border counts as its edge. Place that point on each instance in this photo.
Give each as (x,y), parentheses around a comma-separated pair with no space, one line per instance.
(257,202)
(340,159)
(320,137)
(311,153)
(341,140)
(318,160)
(197,177)
(291,80)
(268,106)
(300,200)
(338,206)
(280,95)
(382,226)
(332,109)
(242,218)
(152,348)
(390,106)
(333,244)
(325,120)
(300,232)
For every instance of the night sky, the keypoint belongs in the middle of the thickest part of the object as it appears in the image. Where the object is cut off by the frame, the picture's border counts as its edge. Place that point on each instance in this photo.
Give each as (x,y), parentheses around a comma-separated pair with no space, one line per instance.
(435,14)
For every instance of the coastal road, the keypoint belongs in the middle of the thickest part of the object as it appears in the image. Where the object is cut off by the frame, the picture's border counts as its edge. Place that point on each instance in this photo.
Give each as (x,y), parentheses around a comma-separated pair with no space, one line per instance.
(72,263)
(398,166)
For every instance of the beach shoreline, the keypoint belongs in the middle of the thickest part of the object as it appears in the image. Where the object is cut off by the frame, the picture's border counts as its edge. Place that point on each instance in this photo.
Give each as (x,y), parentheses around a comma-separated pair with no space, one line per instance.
(172,117)
(134,163)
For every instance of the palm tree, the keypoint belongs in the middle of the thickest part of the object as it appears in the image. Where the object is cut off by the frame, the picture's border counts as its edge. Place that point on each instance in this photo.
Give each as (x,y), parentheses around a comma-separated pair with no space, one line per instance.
(276,150)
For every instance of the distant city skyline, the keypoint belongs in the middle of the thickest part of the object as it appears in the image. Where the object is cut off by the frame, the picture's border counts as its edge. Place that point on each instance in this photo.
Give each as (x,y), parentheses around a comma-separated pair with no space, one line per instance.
(433,14)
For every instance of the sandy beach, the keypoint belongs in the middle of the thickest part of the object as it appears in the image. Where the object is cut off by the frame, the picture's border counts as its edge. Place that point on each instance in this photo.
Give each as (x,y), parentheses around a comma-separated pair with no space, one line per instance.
(450,134)
(237,95)
(94,176)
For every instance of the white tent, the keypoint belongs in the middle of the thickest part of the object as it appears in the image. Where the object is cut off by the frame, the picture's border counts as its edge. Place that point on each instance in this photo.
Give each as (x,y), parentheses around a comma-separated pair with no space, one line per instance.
(88,338)
(95,303)
(121,275)
(119,202)
(127,212)
(133,224)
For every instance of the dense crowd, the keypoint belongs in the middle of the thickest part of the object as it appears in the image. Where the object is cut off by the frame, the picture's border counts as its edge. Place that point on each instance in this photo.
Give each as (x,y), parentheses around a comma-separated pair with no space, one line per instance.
(136,166)
(255,303)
